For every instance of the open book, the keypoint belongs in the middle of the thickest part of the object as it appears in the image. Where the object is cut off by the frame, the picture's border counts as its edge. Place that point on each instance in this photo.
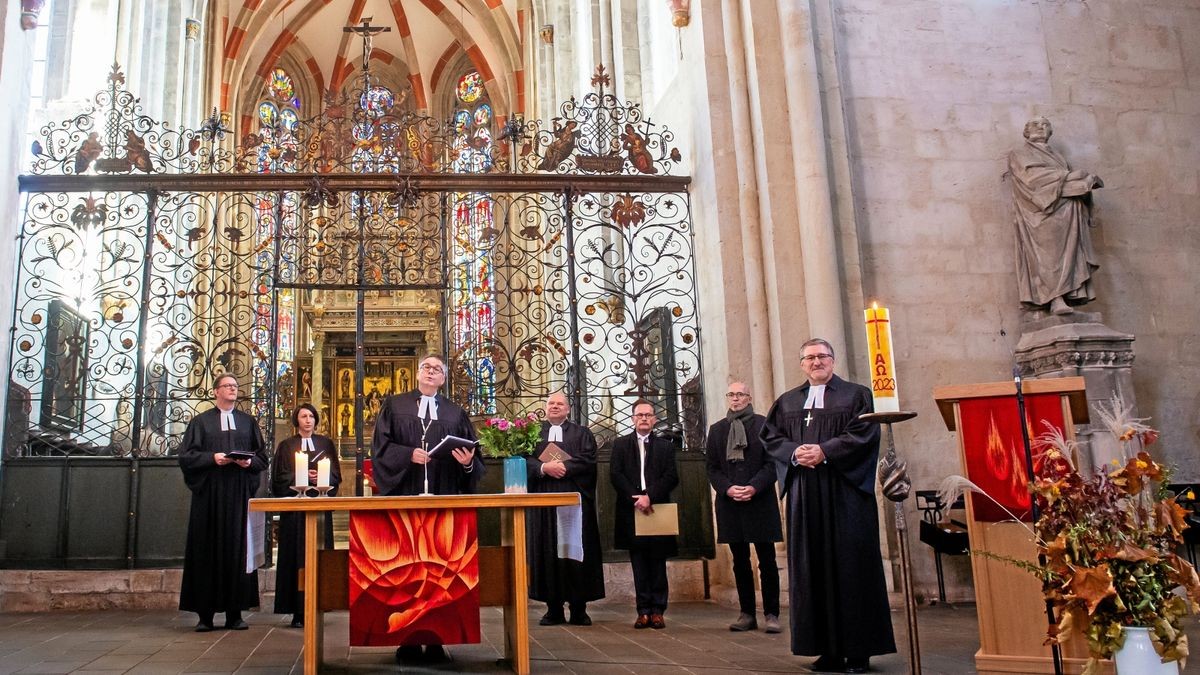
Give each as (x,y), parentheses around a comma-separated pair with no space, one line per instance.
(452,442)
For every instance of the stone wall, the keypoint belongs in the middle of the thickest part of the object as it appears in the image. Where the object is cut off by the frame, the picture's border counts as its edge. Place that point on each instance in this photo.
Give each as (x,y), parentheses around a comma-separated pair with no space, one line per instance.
(935,96)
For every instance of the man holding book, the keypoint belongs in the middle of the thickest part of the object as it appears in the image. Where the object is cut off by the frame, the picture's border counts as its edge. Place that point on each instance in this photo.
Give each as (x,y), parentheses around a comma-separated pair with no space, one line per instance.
(221,456)
(565,461)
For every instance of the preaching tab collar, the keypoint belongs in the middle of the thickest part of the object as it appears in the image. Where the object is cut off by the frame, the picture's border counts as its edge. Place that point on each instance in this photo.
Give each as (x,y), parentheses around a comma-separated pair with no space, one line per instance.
(555,435)
(227,420)
(427,408)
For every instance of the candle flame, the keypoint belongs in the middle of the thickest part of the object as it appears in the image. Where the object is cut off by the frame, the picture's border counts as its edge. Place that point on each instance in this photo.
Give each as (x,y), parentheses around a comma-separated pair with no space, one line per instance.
(874,305)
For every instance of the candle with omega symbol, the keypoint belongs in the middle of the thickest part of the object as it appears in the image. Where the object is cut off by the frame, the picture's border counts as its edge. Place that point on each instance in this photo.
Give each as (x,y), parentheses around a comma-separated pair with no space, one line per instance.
(883,365)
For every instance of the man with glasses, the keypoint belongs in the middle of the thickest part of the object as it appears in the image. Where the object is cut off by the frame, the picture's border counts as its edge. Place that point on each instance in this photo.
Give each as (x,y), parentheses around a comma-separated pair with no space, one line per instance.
(826,457)
(643,473)
(409,425)
(221,455)
(743,474)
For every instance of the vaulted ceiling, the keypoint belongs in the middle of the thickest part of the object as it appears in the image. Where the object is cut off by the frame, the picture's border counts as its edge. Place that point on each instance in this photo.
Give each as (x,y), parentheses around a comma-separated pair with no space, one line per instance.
(252,37)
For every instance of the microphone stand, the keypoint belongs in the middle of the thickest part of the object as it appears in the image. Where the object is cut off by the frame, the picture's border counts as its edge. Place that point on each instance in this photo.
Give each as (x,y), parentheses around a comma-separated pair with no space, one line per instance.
(1055,649)
(424,446)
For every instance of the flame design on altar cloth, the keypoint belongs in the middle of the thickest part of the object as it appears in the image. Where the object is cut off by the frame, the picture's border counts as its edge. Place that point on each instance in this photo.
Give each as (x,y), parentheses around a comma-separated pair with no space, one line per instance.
(414,577)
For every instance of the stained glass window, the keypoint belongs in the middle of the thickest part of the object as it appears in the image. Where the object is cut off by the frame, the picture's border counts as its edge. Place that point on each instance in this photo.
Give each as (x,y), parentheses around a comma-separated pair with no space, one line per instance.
(470,87)
(377,101)
(472,280)
(274,309)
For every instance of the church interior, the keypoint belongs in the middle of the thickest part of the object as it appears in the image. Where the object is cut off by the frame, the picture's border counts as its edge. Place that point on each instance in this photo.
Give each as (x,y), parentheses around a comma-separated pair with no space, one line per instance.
(615,199)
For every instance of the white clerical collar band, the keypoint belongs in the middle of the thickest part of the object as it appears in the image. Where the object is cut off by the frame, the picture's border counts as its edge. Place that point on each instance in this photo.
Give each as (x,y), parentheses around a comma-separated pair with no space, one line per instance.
(555,433)
(306,445)
(816,396)
(227,421)
(427,408)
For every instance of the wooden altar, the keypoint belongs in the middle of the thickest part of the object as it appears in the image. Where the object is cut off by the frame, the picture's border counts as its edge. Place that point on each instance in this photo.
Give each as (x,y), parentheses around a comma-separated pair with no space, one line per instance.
(324,592)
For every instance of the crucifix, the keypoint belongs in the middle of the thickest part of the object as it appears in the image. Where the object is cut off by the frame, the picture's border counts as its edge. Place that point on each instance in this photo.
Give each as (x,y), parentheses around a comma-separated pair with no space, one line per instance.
(808,420)
(367,31)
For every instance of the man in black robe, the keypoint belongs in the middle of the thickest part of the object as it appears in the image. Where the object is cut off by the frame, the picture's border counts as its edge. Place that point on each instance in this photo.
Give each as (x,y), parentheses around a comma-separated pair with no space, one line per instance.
(214,563)
(409,425)
(643,473)
(413,423)
(826,457)
(743,475)
(565,461)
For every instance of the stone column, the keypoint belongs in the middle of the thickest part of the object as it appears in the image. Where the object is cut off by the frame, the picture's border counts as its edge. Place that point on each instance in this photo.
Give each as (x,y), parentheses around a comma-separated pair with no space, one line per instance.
(190,108)
(318,370)
(1080,344)
(810,156)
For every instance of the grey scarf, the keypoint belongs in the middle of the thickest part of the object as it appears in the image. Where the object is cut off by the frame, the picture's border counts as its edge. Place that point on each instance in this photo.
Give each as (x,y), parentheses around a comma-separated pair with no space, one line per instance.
(735,443)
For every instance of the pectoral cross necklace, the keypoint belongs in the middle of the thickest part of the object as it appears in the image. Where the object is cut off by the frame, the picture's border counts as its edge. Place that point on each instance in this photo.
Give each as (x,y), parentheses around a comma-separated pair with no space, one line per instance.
(808,420)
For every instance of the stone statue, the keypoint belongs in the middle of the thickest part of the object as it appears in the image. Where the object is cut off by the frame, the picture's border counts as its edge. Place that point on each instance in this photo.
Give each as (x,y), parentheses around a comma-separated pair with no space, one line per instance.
(1053,216)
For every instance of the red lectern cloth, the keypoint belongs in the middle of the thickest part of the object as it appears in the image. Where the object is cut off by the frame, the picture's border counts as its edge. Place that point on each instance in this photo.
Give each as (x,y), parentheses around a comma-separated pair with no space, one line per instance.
(414,577)
(995,453)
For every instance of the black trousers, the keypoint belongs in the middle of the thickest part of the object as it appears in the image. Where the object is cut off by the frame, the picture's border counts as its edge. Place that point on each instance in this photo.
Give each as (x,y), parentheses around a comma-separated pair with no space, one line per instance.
(768,574)
(649,581)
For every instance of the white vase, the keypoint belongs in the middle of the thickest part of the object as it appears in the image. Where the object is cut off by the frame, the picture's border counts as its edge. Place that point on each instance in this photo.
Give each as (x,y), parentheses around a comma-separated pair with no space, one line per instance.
(1137,656)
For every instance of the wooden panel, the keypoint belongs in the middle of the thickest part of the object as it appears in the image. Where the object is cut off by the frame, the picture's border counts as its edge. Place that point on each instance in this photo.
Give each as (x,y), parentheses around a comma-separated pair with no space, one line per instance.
(494,572)
(480,501)
(333,582)
(1074,387)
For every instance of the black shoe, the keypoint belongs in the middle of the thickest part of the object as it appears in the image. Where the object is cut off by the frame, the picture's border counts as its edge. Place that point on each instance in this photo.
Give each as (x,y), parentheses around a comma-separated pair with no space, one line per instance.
(297,621)
(858,665)
(408,654)
(204,627)
(829,664)
(580,618)
(237,625)
(552,619)
(436,654)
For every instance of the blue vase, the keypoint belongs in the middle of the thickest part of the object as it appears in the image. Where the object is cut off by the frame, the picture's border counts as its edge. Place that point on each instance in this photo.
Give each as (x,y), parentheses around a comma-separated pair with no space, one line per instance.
(514,475)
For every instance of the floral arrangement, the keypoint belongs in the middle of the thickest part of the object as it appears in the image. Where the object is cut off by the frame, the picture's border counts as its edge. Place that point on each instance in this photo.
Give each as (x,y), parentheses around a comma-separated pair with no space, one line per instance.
(1107,543)
(510,438)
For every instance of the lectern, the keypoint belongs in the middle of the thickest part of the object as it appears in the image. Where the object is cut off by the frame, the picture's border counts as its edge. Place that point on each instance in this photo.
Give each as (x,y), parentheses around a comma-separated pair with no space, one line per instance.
(1012,611)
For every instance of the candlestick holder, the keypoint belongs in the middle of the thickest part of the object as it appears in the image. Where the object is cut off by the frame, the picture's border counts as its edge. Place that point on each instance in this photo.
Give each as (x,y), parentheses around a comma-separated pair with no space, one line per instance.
(300,490)
(893,478)
(323,490)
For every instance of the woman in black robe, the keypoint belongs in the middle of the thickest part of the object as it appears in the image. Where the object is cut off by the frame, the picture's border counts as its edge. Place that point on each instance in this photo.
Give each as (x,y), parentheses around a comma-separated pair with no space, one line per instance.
(288,596)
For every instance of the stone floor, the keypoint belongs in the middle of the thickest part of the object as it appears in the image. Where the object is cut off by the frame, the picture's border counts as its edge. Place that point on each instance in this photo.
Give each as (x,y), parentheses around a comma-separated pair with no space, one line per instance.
(696,640)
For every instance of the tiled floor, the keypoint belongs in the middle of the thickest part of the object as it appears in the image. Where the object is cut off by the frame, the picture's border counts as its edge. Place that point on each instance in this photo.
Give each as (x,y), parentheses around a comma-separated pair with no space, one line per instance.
(696,640)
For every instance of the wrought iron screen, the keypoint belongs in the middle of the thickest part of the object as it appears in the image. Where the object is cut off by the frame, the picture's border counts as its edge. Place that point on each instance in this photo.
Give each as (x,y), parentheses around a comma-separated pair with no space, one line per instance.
(152,259)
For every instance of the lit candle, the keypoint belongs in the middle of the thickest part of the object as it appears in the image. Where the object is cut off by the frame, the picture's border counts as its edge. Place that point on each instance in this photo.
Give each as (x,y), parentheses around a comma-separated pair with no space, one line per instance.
(301,470)
(883,365)
(323,472)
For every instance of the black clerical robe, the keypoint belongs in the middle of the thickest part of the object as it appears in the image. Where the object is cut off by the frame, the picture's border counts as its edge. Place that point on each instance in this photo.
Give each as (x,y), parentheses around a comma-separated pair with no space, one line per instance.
(214,563)
(552,579)
(398,432)
(754,521)
(662,477)
(288,598)
(839,602)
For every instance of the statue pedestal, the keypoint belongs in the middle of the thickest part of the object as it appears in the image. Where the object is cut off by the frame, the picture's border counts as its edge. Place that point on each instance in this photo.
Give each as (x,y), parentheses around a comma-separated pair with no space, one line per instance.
(1080,344)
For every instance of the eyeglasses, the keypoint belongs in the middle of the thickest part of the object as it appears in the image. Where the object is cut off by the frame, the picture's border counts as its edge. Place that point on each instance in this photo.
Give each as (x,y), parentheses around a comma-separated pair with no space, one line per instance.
(431,368)
(643,414)
(737,394)
(816,357)
(227,386)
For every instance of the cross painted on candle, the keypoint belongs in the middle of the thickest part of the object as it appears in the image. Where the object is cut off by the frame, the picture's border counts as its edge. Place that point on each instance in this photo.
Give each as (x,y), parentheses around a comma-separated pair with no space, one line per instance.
(883,368)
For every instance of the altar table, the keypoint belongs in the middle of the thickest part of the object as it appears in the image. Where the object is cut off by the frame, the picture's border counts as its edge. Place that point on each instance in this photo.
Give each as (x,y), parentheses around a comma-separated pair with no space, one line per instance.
(512,509)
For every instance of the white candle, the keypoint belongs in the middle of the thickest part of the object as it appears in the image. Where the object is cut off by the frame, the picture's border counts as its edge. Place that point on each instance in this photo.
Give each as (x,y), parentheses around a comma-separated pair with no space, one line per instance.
(301,470)
(323,472)
(883,364)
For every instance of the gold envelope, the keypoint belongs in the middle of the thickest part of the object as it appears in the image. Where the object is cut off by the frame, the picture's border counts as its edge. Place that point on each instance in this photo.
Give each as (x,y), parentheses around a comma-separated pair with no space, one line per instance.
(663,521)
